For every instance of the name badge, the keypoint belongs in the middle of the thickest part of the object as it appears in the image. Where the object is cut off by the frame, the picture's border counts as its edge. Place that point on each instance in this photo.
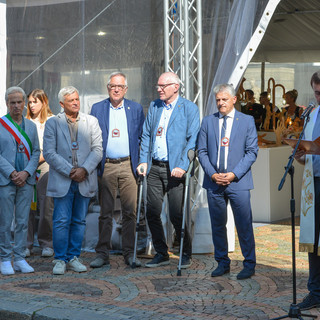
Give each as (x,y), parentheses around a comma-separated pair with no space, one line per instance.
(74,145)
(115,133)
(224,142)
(21,148)
(159,131)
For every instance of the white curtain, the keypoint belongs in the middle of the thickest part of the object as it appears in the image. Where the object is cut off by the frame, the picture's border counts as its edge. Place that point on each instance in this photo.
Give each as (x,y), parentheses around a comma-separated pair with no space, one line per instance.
(3,56)
(237,32)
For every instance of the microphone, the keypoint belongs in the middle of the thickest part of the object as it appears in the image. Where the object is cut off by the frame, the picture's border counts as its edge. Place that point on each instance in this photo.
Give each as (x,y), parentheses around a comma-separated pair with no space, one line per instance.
(141,170)
(307,110)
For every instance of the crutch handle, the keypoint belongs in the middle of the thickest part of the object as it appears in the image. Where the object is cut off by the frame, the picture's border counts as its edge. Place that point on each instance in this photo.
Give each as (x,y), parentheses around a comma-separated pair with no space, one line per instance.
(191,155)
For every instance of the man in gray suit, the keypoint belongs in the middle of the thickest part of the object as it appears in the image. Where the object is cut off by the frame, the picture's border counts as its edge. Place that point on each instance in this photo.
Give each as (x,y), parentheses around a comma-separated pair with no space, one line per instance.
(19,155)
(72,146)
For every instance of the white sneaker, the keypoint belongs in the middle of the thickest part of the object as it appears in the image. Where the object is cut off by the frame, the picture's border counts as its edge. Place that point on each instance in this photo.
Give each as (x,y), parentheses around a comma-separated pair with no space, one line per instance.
(6,268)
(76,265)
(47,252)
(27,253)
(59,267)
(22,266)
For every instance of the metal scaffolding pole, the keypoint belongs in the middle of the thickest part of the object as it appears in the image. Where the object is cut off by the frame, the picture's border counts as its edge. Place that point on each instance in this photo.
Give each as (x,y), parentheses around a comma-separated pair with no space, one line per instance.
(183,55)
(183,46)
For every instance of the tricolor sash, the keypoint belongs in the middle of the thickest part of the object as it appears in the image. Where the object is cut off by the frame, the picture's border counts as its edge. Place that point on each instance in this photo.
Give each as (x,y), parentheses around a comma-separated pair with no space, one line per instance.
(307,227)
(19,135)
(34,197)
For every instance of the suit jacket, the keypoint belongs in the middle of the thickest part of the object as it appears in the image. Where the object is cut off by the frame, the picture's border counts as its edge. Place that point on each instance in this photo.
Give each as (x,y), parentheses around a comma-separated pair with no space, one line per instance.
(135,119)
(182,132)
(243,150)
(8,150)
(58,154)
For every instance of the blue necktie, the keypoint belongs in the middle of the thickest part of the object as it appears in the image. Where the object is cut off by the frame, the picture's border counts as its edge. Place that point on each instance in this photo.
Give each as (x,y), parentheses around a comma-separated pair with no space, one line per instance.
(168,107)
(222,148)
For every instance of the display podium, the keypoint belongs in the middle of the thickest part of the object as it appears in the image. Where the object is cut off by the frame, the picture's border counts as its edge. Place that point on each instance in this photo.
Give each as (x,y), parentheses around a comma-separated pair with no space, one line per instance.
(269,204)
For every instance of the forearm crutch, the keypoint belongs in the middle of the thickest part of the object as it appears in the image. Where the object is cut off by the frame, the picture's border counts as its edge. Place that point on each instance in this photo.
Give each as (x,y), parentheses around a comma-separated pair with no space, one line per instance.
(191,154)
(141,178)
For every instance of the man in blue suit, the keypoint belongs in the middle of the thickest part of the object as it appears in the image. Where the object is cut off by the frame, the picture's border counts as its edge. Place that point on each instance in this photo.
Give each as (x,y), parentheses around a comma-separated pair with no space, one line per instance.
(121,122)
(227,148)
(170,130)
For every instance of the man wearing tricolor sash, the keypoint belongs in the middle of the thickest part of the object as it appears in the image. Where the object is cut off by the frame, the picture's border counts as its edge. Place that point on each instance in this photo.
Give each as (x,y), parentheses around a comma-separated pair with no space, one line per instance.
(19,155)
(310,204)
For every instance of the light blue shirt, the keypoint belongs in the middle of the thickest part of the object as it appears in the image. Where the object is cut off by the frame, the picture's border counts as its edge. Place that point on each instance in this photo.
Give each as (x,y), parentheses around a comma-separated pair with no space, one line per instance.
(230,117)
(160,150)
(118,139)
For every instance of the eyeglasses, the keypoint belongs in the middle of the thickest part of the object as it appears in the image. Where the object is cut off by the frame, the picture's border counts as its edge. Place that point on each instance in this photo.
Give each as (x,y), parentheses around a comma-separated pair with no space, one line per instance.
(117,86)
(163,86)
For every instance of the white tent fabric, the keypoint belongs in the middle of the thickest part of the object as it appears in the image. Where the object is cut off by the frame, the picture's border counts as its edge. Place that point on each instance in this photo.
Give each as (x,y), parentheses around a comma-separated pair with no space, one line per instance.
(293,34)
(3,56)
(240,42)
(22,3)
(253,44)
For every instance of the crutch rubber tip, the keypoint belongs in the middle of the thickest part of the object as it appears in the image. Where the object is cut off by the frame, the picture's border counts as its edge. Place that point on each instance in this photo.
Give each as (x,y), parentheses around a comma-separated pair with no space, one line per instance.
(179,273)
(133,265)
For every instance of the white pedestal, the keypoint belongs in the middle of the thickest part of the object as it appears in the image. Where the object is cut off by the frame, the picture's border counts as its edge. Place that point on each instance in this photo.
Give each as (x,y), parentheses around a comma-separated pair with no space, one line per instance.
(269,204)
(202,235)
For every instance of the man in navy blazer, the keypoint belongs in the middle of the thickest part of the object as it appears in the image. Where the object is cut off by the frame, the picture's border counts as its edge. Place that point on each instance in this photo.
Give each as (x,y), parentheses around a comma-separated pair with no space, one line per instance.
(170,130)
(121,122)
(227,148)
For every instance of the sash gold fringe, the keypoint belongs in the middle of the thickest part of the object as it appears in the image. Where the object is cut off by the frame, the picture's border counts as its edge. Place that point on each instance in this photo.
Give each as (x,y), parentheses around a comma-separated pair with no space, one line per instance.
(306,247)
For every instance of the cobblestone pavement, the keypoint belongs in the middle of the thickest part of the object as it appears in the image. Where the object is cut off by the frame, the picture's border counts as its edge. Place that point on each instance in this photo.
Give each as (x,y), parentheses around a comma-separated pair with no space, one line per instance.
(119,292)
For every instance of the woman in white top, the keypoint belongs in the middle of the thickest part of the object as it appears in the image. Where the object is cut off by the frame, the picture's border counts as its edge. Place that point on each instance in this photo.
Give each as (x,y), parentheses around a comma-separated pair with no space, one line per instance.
(39,111)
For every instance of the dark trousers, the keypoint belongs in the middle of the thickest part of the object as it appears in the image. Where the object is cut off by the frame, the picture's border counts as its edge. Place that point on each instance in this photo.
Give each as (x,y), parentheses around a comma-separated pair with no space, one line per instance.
(160,183)
(314,259)
(241,207)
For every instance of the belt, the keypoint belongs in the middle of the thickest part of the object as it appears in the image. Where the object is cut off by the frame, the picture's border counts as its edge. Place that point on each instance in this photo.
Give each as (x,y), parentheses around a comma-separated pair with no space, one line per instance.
(163,164)
(117,160)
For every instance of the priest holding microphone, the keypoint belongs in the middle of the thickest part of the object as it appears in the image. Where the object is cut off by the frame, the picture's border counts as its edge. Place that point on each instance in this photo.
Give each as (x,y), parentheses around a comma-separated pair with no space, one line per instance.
(310,202)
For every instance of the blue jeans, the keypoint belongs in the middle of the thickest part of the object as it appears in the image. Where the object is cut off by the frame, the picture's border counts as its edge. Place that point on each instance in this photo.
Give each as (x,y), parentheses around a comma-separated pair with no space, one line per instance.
(69,223)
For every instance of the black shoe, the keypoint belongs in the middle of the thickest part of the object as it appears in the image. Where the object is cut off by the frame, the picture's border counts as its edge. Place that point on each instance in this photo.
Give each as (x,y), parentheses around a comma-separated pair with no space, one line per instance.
(309,302)
(245,273)
(220,271)
(158,260)
(186,262)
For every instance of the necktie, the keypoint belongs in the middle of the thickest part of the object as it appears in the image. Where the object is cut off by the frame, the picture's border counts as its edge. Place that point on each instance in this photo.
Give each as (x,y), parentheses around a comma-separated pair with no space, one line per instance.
(168,107)
(222,147)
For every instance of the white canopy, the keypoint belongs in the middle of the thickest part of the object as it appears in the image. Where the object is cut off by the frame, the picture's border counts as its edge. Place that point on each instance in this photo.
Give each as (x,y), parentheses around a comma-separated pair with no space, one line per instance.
(133,41)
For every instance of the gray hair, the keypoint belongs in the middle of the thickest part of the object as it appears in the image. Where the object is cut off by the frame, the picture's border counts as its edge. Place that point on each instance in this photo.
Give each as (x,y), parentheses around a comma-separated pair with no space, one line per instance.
(65,92)
(224,87)
(173,76)
(12,90)
(118,73)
